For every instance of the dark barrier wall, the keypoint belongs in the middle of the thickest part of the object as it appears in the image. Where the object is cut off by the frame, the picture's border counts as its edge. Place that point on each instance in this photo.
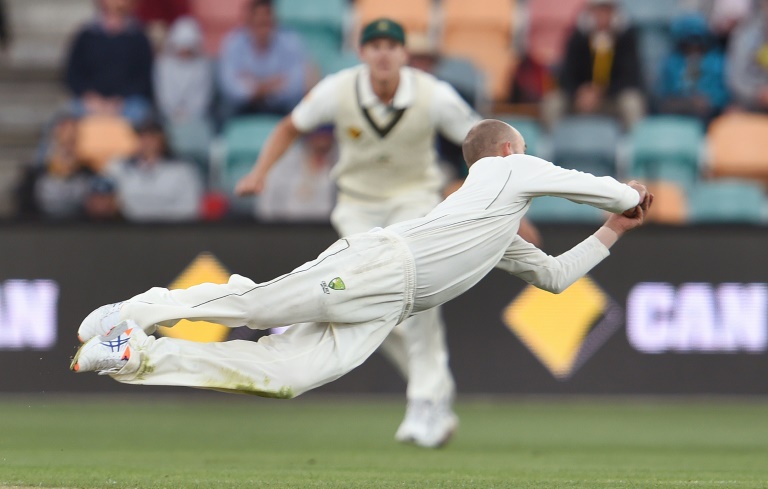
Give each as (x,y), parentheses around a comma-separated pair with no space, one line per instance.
(671,311)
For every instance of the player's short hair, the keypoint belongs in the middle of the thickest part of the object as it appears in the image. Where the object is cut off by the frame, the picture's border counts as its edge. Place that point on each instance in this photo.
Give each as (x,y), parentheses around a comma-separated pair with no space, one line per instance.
(485,138)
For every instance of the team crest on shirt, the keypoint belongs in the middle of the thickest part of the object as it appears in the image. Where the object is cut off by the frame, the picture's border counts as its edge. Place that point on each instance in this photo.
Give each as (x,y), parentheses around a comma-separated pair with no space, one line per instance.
(335,284)
(354,132)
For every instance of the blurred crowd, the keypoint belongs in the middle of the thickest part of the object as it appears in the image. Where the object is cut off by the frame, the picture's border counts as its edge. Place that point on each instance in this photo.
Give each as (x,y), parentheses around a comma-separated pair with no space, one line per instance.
(159,87)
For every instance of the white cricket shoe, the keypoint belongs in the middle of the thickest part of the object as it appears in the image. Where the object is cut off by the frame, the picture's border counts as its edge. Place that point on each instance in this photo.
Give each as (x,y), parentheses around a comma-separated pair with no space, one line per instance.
(105,356)
(101,322)
(428,424)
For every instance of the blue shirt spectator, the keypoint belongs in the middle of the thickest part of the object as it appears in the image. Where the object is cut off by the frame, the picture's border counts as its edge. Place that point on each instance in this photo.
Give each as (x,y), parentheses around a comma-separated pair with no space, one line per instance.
(109,68)
(262,68)
(692,80)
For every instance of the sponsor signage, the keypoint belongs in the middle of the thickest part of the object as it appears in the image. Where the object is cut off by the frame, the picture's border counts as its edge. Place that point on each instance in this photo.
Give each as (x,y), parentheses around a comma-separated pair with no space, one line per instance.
(671,311)
(28,314)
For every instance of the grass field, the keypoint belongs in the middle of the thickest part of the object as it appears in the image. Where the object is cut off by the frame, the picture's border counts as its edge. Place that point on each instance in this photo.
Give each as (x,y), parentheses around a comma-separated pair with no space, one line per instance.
(203,441)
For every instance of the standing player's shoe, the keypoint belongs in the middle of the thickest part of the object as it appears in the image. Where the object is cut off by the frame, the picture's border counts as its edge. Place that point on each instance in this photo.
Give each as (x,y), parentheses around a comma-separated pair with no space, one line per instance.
(102,355)
(428,424)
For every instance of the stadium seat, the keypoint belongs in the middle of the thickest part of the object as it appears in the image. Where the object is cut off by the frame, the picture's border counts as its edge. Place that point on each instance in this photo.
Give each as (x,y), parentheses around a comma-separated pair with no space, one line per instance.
(727,201)
(481,31)
(549,24)
(670,203)
(191,141)
(320,23)
(667,148)
(489,52)
(558,210)
(586,143)
(738,144)
(650,12)
(530,130)
(217,19)
(100,139)
(496,15)
(243,138)
(464,76)
(414,15)
(338,61)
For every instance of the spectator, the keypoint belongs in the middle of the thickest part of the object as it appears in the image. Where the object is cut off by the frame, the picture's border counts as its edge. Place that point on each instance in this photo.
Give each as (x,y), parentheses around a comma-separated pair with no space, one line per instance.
(301,189)
(692,80)
(601,69)
(152,187)
(159,15)
(726,15)
(262,68)
(5,37)
(747,62)
(109,69)
(183,75)
(58,189)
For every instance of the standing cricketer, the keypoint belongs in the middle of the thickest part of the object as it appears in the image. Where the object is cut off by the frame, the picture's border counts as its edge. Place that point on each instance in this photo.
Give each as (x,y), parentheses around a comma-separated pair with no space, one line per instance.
(386,116)
(350,298)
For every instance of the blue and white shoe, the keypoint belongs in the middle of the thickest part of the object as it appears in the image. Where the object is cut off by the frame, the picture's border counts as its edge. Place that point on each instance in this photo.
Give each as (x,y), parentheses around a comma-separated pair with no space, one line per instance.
(105,355)
(104,321)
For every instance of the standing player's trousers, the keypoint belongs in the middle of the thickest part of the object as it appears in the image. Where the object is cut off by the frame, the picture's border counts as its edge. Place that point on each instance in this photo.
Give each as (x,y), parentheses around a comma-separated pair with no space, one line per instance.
(417,347)
(348,300)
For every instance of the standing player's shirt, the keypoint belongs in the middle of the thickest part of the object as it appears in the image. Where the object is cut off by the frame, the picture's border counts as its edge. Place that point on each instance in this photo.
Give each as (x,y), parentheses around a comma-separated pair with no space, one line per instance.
(385,150)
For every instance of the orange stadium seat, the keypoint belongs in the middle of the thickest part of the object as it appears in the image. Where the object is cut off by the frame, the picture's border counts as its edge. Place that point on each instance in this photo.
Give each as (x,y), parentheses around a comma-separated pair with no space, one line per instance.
(549,24)
(670,203)
(216,19)
(738,145)
(101,138)
(481,31)
(414,15)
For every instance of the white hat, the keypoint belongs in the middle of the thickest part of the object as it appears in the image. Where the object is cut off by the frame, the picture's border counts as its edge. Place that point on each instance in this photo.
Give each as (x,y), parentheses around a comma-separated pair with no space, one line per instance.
(185,34)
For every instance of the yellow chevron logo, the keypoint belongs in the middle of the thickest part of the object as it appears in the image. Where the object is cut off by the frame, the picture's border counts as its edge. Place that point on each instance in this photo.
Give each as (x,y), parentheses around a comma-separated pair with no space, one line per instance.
(204,268)
(563,330)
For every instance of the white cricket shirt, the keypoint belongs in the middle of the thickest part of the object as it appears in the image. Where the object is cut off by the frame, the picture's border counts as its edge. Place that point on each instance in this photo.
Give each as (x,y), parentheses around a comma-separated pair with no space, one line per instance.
(385,150)
(475,228)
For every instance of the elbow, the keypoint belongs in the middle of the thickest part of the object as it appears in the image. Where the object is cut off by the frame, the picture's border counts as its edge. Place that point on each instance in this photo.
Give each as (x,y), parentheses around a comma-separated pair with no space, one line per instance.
(553,282)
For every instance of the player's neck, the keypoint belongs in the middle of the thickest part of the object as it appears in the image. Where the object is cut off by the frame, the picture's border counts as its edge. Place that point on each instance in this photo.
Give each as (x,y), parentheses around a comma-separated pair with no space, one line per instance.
(385,89)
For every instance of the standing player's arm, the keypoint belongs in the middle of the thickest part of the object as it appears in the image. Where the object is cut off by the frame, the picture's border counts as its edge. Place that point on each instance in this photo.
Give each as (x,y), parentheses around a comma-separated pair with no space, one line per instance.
(317,108)
(555,274)
(278,142)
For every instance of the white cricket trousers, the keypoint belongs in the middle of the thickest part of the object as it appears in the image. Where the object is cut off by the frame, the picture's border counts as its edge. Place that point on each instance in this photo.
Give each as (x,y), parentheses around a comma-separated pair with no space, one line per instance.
(417,347)
(349,299)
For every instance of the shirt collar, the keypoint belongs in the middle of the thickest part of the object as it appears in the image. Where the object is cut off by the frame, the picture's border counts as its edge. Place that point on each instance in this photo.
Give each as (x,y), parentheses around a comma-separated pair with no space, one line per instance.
(404,95)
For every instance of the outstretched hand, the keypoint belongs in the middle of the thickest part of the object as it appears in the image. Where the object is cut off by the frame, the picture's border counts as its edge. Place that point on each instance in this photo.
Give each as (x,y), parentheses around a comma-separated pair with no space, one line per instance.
(632,218)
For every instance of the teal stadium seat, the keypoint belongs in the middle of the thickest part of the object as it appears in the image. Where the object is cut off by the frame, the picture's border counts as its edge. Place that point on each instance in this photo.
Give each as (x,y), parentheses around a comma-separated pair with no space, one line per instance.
(587,143)
(243,138)
(667,148)
(333,62)
(645,13)
(464,76)
(320,23)
(191,141)
(531,132)
(727,201)
(563,211)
